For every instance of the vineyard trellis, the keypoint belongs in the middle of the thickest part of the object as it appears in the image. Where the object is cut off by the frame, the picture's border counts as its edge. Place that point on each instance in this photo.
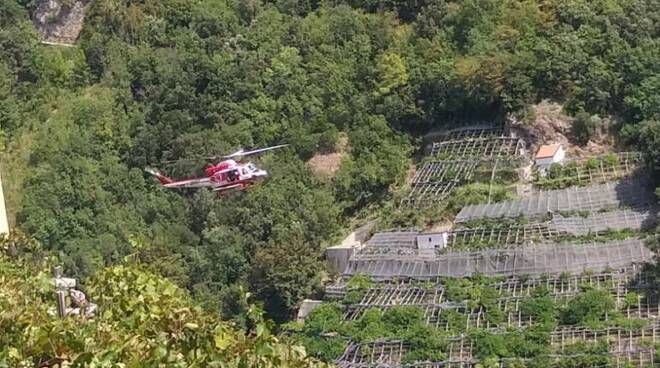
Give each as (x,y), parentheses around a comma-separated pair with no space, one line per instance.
(480,147)
(625,279)
(387,354)
(455,158)
(507,235)
(433,299)
(545,242)
(625,344)
(503,236)
(596,169)
(393,238)
(622,342)
(604,221)
(475,131)
(445,171)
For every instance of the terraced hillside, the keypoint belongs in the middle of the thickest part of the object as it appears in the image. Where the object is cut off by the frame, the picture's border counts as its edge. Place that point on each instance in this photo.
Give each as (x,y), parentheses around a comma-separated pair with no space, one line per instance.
(473,154)
(556,278)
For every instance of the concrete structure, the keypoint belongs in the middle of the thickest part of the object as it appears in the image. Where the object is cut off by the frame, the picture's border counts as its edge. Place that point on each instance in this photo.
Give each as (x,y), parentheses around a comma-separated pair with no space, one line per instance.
(306,307)
(549,154)
(337,256)
(4,224)
(432,240)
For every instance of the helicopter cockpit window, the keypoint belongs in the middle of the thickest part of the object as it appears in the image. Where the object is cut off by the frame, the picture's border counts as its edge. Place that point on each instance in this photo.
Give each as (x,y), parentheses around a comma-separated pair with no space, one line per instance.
(244,171)
(251,167)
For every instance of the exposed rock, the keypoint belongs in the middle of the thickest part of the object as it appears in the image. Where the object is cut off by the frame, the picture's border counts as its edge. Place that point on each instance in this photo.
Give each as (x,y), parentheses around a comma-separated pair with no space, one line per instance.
(77,298)
(550,125)
(59,21)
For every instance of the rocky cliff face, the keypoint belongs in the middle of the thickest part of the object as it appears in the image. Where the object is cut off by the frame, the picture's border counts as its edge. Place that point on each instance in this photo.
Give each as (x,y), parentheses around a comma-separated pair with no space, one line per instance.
(59,21)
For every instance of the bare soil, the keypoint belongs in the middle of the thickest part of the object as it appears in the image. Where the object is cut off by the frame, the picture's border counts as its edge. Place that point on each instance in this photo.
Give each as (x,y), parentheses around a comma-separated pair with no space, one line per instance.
(328,164)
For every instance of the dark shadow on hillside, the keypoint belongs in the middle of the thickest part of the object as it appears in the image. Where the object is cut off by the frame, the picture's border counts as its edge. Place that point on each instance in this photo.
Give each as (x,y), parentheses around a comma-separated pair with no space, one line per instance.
(636,191)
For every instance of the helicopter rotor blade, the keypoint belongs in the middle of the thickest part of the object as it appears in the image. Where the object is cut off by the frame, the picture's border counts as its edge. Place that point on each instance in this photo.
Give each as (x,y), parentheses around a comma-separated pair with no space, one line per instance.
(242,153)
(194,159)
(238,153)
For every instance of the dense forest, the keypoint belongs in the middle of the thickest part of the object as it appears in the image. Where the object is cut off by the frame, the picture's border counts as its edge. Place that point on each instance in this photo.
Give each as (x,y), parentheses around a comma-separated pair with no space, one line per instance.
(162,82)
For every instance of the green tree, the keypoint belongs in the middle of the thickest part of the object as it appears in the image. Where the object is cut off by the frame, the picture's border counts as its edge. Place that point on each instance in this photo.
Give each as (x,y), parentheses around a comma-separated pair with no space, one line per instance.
(283,275)
(583,128)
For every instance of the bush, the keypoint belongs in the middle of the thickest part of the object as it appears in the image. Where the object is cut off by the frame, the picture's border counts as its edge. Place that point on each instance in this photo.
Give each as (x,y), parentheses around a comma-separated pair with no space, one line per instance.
(359,282)
(584,127)
(584,354)
(488,345)
(369,327)
(426,344)
(541,305)
(631,300)
(588,307)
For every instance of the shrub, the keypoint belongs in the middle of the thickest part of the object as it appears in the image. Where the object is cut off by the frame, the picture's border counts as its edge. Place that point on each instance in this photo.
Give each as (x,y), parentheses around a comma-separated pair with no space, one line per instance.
(588,307)
(631,300)
(540,306)
(488,345)
(584,127)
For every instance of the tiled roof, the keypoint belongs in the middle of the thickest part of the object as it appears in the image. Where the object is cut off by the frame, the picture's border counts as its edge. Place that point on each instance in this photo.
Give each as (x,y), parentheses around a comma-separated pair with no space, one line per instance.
(548,150)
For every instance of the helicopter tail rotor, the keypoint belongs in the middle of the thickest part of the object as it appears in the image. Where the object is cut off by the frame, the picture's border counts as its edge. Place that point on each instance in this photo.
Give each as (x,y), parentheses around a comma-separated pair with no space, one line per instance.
(161,178)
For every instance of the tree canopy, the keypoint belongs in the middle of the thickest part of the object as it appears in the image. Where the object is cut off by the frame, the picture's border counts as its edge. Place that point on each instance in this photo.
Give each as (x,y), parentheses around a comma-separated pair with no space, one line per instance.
(176,80)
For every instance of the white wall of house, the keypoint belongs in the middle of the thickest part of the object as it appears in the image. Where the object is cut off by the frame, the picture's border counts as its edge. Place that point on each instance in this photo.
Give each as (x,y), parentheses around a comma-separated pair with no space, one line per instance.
(432,240)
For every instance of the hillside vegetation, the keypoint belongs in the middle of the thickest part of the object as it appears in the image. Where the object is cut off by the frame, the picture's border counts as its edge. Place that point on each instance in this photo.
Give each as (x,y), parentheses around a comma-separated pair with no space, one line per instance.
(144,321)
(153,81)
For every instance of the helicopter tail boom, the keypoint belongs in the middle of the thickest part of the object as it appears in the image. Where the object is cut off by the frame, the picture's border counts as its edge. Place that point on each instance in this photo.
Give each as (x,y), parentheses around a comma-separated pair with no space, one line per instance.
(161,178)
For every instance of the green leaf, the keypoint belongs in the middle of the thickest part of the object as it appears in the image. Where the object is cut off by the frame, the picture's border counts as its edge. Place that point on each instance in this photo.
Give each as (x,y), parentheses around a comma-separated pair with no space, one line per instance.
(223,340)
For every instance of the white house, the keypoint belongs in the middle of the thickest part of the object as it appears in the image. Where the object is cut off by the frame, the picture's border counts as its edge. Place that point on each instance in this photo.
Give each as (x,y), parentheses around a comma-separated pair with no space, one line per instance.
(549,154)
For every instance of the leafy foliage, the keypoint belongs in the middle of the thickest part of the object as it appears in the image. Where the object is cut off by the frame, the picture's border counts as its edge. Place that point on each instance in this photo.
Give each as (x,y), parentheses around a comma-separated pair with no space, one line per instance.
(588,307)
(143,320)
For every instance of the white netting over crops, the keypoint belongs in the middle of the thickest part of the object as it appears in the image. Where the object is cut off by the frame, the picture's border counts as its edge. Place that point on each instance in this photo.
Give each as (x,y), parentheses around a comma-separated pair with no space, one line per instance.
(533,260)
(603,221)
(632,192)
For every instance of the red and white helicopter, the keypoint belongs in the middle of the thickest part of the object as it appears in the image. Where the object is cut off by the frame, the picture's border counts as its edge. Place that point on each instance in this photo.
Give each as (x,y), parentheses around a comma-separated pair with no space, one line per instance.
(221,177)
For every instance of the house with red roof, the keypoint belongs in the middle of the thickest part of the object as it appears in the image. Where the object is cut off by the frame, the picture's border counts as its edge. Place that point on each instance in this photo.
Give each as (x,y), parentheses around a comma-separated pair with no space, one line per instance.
(549,154)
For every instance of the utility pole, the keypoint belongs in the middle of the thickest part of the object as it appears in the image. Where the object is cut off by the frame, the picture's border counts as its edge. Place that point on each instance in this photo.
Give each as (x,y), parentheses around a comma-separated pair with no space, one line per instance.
(62,286)
(4,224)
(61,306)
